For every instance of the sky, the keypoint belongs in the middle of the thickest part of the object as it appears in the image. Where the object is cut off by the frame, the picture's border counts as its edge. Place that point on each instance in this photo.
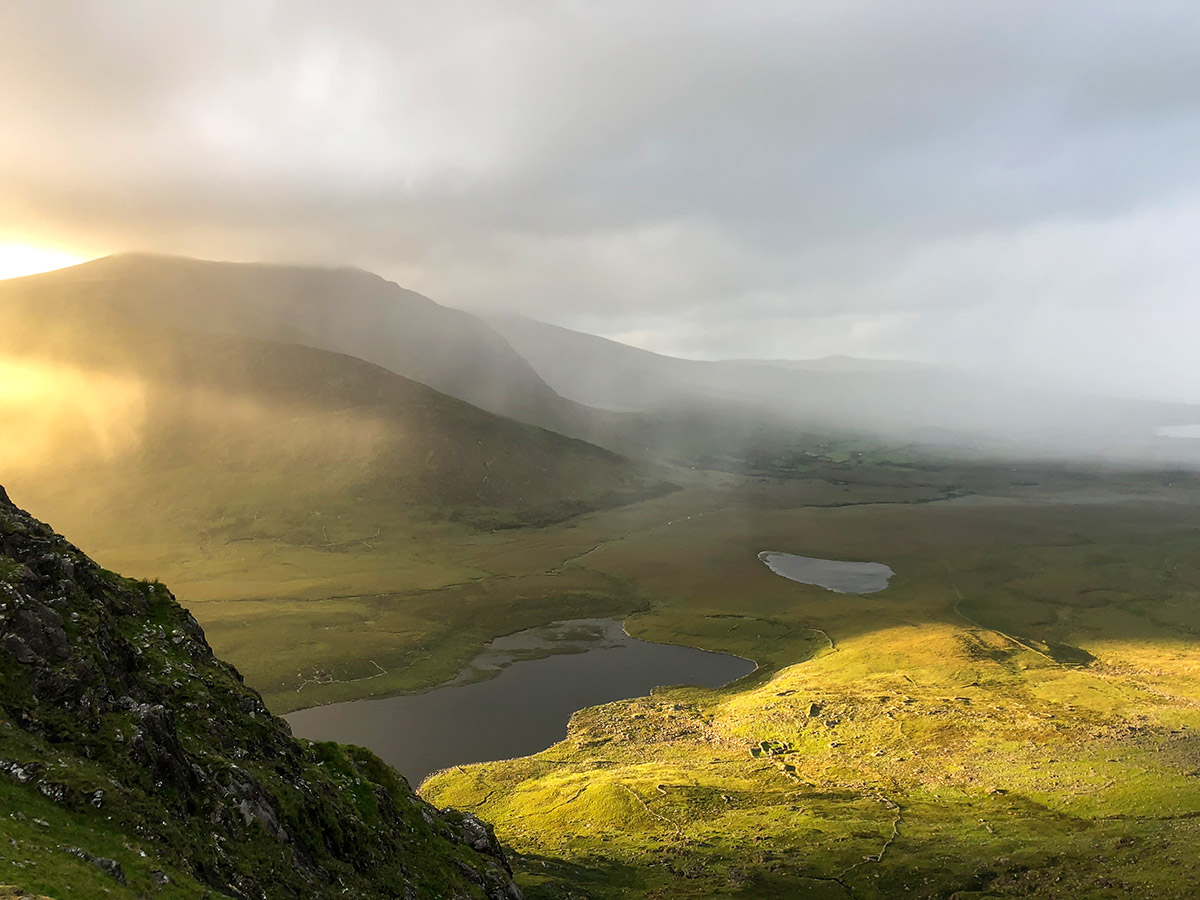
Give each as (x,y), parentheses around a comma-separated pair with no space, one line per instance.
(1012,186)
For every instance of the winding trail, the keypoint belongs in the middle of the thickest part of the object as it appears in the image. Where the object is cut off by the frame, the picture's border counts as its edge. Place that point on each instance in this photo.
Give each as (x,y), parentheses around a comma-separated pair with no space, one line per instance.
(675,825)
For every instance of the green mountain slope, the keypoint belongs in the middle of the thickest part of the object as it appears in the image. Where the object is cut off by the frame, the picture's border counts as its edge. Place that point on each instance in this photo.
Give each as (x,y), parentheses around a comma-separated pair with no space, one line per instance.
(133,762)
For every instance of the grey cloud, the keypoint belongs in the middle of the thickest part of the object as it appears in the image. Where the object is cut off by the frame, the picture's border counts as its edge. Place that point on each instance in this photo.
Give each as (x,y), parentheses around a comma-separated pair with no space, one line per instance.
(710,178)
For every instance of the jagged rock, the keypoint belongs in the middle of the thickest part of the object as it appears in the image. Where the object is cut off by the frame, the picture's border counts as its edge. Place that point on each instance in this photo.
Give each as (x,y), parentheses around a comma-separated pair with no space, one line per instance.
(478,836)
(18,649)
(41,628)
(110,867)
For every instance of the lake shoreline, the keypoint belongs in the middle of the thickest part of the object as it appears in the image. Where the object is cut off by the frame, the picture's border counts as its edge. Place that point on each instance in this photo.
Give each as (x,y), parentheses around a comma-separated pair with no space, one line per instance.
(488,674)
(518,695)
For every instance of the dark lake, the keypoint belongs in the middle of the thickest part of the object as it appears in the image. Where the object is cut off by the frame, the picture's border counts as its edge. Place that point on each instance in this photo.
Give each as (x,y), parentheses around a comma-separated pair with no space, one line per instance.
(525,704)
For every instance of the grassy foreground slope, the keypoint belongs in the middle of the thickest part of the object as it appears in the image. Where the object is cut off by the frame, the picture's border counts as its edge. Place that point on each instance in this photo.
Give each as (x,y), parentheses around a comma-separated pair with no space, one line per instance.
(1018,714)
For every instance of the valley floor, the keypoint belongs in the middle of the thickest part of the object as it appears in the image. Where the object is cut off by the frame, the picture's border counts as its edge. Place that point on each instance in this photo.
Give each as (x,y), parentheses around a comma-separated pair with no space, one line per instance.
(1018,714)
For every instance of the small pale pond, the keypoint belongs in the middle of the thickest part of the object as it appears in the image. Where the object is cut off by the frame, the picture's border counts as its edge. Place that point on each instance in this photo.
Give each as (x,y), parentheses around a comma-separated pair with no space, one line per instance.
(538,679)
(842,576)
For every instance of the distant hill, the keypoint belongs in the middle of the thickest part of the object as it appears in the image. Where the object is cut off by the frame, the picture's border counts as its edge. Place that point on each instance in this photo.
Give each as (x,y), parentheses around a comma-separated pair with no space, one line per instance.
(888,398)
(340,309)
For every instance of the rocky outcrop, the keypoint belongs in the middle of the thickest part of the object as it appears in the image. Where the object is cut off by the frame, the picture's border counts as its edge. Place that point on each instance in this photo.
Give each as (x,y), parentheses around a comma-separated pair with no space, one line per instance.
(112,706)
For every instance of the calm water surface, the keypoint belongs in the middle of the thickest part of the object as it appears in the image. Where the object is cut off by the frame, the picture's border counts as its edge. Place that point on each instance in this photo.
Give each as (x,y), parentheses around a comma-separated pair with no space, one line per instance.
(524,708)
(842,576)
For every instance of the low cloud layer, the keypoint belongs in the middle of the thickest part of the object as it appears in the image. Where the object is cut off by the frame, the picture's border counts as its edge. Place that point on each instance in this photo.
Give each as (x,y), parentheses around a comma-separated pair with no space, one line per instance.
(1010,185)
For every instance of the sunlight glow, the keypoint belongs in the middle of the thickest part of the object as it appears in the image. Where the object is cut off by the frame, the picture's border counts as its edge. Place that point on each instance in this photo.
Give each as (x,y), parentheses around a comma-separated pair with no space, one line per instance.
(66,415)
(26,259)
